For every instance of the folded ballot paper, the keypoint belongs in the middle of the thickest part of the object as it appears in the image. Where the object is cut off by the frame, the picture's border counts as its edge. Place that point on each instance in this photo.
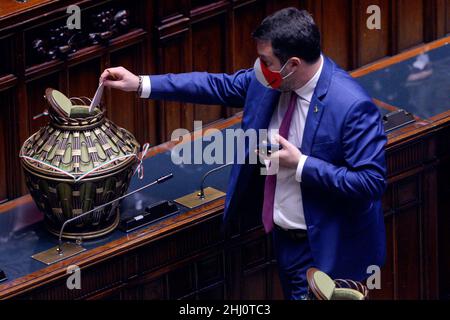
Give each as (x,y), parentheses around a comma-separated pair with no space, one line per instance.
(97,98)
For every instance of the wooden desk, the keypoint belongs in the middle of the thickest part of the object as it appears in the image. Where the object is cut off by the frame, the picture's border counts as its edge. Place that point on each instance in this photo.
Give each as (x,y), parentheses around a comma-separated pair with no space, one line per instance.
(188,256)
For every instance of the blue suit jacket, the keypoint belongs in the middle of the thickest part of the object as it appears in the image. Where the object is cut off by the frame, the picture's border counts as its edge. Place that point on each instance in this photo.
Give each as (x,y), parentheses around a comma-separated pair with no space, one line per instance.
(344,177)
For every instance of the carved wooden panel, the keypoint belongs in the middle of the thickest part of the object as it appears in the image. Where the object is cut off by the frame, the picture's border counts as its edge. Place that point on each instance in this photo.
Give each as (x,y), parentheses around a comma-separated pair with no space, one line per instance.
(154,290)
(408,156)
(91,282)
(181,282)
(185,243)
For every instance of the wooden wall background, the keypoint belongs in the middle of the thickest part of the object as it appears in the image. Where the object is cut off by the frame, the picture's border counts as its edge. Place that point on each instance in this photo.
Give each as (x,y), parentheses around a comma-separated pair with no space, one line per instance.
(180,36)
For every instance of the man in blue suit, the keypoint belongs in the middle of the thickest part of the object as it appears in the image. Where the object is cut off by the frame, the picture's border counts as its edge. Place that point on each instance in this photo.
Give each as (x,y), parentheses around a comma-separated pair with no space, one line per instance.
(323,204)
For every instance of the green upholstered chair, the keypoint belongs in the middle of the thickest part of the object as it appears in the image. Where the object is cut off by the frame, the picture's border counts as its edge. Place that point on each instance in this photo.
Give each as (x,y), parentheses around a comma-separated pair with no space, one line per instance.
(322,287)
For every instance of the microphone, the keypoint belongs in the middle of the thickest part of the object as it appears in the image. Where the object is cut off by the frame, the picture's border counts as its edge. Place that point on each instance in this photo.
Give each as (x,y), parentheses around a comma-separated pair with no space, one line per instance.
(201,193)
(157,181)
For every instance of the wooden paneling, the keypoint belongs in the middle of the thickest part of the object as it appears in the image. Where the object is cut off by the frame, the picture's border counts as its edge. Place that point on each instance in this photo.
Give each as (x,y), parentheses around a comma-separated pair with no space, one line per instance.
(4,111)
(253,284)
(336,28)
(167,9)
(123,107)
(388,272)
(204,33)
(274,5)
(246,19)
(6,51)
(407,245)
(370,45)
(83,78)
(446,11)
(242,22)
(443,203)
(36,101)
(174,57)
(153,290)
(410,23)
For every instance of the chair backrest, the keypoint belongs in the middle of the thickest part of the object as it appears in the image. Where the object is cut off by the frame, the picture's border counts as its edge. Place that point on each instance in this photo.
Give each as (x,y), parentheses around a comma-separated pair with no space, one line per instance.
(325,288)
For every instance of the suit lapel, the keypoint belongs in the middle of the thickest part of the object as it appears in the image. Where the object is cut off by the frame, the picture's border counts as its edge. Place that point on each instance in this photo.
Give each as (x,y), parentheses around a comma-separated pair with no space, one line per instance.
(265,109)
(316,107)
(313,118)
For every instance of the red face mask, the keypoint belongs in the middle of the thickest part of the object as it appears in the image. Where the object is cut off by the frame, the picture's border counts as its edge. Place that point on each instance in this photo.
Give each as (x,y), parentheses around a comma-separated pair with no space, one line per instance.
(267,77)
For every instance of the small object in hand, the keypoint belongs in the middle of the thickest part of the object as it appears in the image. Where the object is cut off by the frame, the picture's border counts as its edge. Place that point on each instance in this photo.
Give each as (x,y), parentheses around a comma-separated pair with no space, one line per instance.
(267,148)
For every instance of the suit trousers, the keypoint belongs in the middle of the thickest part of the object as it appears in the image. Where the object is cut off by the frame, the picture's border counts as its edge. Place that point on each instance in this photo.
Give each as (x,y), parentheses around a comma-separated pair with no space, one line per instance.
(294,258)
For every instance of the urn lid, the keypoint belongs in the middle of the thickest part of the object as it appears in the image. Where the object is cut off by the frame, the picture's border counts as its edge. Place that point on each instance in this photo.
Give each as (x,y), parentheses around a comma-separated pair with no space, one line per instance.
(77,143)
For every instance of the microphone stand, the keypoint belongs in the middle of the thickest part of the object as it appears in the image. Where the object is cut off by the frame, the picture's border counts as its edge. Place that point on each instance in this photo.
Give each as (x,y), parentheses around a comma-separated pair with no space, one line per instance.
(203,196)
(201,193)
(160,180)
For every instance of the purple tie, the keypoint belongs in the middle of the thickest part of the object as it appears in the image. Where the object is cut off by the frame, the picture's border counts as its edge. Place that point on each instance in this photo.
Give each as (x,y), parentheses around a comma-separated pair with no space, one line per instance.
(271,180)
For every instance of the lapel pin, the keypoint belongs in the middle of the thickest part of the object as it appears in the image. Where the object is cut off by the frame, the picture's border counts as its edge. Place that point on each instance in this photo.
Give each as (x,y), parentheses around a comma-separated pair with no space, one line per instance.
(316,109)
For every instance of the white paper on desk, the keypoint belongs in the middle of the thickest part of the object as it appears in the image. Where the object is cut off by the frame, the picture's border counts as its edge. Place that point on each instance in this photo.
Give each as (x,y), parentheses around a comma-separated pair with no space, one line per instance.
(97,97)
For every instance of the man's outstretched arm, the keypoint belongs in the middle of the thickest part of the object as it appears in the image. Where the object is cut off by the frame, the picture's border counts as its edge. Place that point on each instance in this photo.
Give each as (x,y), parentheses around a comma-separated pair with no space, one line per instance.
(195,87)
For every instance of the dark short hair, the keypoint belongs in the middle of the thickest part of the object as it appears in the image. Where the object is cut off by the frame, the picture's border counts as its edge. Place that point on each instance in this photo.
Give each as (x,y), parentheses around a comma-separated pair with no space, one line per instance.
(292,33)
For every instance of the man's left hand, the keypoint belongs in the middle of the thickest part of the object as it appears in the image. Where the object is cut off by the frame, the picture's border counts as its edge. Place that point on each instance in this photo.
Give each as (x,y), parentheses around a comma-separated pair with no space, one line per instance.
(288,156)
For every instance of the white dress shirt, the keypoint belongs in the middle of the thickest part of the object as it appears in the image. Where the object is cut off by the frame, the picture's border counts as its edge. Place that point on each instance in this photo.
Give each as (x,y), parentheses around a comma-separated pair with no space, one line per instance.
(288,203)
(146,87)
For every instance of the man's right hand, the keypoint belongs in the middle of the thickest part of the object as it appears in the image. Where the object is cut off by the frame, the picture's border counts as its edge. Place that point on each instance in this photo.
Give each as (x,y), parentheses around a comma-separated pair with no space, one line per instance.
(120,78)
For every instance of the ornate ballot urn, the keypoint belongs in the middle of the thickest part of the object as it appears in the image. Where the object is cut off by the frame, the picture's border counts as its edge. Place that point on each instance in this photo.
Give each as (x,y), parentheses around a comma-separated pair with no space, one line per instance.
(79,161)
